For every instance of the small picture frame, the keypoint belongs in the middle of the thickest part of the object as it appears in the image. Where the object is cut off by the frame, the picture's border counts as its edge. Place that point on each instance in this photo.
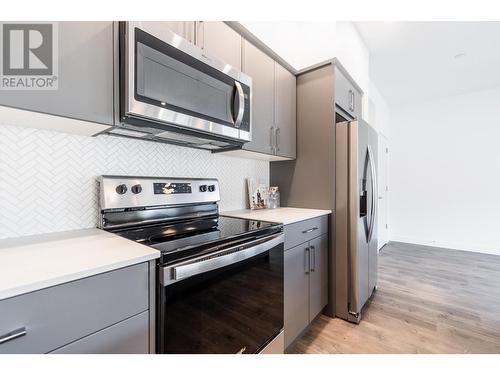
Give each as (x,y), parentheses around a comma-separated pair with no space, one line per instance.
(257,194)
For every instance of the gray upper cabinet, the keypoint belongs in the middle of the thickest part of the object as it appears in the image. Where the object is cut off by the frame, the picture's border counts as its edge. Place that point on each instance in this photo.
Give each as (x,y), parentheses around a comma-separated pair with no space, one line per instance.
(260,67)
(186,29)
(318,280)
(296,292)
(85,79)
(273,104)
(219,41)
(285,112)
(347,95)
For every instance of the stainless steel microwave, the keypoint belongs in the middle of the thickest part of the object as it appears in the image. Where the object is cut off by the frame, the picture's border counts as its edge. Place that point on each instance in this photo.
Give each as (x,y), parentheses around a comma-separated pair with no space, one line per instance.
(171,91)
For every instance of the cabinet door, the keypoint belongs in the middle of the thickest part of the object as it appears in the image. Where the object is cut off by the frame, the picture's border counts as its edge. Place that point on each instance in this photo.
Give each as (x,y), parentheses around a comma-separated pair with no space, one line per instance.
(130,336)
(85,77)
(260,67)
(220,41)
(182,28)
(318,279)
(285,112)
(347,96)
(296,292)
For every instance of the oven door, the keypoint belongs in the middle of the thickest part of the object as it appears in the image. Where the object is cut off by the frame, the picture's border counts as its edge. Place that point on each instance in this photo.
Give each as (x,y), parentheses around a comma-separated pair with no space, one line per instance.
(170,80)
(230,301)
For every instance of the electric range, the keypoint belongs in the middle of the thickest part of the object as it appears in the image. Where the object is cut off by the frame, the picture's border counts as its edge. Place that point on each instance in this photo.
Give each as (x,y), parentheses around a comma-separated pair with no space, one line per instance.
(219,279)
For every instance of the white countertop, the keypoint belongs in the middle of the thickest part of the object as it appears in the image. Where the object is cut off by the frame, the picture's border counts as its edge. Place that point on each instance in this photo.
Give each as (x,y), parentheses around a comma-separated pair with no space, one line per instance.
(283,215)
(36,262)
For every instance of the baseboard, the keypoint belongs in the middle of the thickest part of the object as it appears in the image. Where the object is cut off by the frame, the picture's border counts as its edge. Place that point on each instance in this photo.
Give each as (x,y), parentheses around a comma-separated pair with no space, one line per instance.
(475,248)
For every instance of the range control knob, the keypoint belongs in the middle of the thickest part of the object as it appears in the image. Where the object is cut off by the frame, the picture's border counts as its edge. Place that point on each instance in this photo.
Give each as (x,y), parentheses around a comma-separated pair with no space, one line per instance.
(211,187)
(203,188)
(136,189)
(121,189)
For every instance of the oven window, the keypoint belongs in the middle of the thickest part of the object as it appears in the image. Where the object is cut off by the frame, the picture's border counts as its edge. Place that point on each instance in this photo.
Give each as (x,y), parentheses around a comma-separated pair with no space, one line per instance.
(238,308)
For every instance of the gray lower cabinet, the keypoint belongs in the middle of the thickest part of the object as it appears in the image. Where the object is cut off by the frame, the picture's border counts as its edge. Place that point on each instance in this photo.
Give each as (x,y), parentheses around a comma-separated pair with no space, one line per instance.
(219,41)
(318,277)
(296,292)
(306,275)
(85,77)
(57,316)
(127,337)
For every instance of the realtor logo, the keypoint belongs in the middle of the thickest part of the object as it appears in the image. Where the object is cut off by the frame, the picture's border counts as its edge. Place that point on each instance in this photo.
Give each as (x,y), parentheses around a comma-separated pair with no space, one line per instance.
(29,56)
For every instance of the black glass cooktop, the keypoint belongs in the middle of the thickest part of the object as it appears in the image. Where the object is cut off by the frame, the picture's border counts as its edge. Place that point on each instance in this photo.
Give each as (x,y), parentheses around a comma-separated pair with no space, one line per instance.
(184,239)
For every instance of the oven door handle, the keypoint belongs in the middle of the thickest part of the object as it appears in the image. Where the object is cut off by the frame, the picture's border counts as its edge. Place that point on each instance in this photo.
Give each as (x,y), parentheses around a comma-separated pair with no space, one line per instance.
(219,259)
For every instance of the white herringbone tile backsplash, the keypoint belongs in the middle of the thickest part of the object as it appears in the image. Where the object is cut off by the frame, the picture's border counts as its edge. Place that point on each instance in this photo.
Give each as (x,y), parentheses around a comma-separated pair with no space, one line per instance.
(48,179)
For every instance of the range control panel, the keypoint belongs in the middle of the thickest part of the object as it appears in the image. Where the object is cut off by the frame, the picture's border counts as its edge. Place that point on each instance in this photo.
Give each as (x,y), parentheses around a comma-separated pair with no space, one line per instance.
(135,192)
(172,187)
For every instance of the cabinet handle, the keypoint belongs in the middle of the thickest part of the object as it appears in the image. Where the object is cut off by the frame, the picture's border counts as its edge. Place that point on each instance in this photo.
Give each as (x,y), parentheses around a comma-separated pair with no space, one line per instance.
(307,260)
(273,147)
(313,255)
(351,104)
(13,335)
(310,230)
(196,37)
(278,130)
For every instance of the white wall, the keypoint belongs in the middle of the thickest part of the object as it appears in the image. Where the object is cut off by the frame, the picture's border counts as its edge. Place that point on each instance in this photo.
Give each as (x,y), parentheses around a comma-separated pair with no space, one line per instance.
(48,179)
(380,118)
(445,179)
(379,115)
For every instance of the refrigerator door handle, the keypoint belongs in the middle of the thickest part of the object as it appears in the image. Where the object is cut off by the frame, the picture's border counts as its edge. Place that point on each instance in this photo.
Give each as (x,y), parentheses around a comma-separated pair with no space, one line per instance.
(374,193)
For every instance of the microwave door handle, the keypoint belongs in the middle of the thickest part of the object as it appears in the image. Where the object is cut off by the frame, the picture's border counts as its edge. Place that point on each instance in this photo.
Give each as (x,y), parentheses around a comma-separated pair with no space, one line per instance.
(241,104)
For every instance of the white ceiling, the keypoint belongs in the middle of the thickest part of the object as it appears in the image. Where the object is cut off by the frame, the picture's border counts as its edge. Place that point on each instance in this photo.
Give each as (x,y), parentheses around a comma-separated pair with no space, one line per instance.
(412,61)
(299,43)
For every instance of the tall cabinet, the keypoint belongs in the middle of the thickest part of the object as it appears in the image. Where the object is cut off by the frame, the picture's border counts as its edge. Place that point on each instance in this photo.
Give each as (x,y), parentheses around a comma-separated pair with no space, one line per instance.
(309,181)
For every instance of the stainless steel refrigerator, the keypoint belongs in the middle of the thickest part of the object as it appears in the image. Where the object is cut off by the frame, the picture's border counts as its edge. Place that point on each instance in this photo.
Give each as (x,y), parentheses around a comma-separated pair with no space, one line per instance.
(356,217)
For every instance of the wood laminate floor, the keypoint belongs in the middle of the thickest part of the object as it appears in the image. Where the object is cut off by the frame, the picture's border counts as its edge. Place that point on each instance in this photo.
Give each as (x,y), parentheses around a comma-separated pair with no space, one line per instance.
(429,300)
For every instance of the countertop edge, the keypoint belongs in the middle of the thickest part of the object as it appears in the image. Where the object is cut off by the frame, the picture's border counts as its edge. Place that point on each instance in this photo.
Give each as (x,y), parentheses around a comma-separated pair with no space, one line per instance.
(48,283)
(242,214)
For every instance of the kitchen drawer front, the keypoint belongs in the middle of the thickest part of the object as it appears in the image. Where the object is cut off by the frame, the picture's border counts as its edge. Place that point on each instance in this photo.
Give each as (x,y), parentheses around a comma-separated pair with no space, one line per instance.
(303,231)
(128,337)
(58,315)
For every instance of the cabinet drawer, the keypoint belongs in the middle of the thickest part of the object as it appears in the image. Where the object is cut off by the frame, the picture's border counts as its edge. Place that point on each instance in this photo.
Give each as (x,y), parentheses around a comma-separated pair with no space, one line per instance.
(304,231)
(128,337)
(58,315)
